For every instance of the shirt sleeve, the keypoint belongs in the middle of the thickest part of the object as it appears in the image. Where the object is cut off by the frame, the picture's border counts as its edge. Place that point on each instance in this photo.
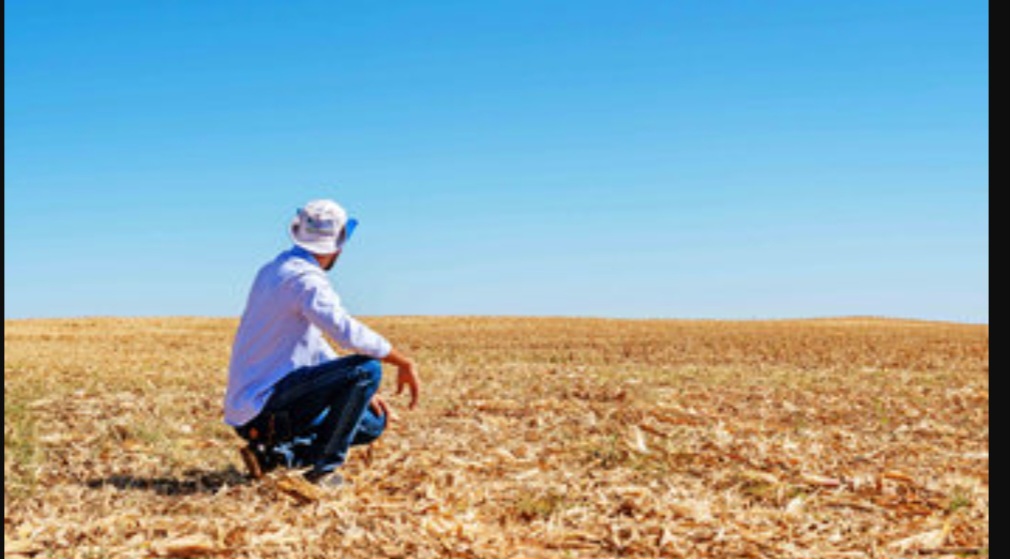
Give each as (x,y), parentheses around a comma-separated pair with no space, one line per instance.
(321,306)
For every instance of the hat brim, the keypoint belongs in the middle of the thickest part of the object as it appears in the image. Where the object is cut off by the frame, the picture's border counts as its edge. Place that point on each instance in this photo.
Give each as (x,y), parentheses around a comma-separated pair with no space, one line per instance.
(349,228)
(322,246)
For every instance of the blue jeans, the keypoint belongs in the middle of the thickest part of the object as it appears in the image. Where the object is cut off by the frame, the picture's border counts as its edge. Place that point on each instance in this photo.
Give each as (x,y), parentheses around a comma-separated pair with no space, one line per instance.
(326,410)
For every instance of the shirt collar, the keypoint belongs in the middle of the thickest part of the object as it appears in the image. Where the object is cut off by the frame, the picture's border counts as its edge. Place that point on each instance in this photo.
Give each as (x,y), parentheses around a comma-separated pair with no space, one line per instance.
(299,252)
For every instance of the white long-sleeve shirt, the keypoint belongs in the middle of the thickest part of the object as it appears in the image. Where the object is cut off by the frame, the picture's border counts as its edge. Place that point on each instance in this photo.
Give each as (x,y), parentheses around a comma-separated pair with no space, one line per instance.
(290,306)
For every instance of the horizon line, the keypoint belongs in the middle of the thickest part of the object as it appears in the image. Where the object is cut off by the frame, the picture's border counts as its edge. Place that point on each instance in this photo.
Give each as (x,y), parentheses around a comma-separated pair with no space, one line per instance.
(865,317)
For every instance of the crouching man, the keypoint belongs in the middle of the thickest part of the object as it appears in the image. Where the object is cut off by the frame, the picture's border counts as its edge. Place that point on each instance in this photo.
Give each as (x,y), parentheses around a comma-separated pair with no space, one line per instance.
(289,395)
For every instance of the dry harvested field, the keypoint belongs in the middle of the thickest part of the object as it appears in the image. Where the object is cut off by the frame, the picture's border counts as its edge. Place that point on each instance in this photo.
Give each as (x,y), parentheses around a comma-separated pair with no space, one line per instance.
(535,438)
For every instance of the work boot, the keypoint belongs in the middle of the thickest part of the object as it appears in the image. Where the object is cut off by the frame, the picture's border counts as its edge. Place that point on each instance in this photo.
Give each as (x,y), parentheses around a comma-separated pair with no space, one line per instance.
(257,462)
(329,480)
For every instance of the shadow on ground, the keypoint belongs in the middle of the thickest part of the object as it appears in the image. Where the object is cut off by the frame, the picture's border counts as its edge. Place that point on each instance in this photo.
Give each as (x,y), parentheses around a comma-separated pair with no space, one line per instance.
(191,482)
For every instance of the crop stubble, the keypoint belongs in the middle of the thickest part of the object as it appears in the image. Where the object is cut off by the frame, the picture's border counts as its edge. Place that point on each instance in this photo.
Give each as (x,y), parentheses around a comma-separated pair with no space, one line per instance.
(535,438)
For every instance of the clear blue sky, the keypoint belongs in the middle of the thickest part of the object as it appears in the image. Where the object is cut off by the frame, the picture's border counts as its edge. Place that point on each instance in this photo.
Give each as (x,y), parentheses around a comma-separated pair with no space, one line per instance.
(696,159)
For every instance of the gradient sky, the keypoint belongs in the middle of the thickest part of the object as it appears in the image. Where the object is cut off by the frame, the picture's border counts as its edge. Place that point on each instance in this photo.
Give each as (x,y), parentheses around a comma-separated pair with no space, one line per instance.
(695,159)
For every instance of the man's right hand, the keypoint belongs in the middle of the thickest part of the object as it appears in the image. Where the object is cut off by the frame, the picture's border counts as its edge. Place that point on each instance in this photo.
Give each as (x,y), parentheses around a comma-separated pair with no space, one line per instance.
(406,375)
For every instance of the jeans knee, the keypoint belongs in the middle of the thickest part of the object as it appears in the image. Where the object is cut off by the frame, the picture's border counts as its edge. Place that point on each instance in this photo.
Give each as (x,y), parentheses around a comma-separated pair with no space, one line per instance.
(370,428)
(372,371)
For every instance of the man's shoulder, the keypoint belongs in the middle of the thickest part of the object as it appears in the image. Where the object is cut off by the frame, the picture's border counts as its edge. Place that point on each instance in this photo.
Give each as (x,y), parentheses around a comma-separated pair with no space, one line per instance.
(288,266)
(292,267)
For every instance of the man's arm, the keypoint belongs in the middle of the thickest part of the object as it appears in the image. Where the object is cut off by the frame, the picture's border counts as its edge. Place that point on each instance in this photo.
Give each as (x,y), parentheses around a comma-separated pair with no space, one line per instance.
(321,305)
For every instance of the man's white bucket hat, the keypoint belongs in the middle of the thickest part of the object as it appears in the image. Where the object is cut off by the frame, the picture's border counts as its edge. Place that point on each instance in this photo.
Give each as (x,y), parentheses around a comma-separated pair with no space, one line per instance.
(322,227)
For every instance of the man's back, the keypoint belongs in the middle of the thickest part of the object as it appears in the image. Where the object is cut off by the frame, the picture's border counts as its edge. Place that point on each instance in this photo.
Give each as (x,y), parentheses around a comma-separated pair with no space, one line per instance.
(274,337)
